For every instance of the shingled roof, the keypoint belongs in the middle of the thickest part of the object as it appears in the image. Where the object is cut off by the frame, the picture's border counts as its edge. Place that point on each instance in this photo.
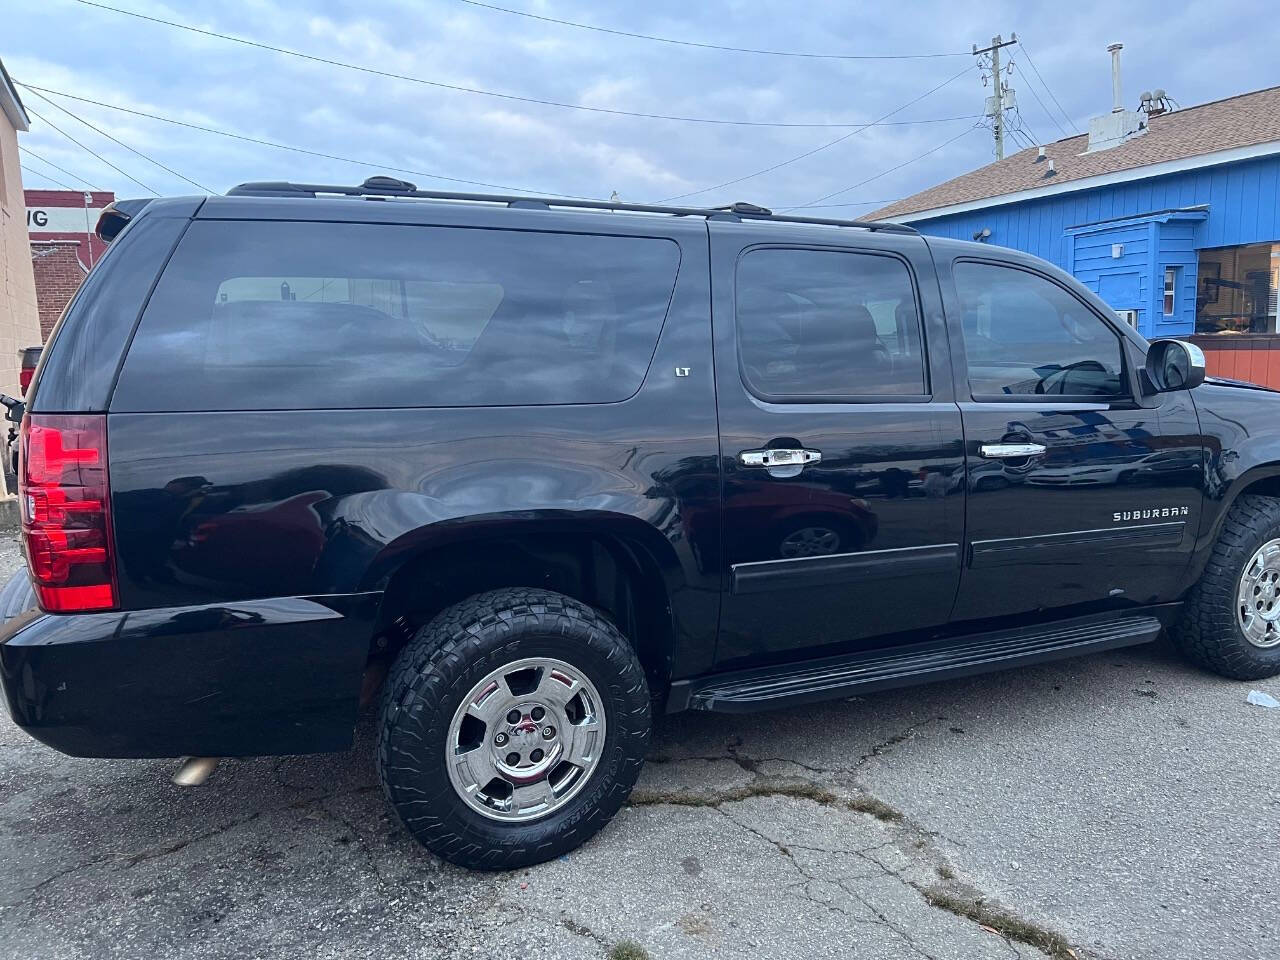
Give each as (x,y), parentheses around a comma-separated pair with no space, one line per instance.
(1246,120)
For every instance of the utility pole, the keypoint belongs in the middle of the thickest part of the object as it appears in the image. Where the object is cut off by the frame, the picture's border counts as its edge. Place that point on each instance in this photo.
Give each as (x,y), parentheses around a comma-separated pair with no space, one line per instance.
(996,103)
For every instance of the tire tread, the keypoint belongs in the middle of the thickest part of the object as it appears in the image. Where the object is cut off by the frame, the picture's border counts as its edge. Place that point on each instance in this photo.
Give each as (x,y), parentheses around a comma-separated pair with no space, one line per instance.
(419,682)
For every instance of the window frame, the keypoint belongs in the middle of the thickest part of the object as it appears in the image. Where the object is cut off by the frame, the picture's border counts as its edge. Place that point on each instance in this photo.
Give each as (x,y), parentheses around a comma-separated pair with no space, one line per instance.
(852,398)
(1169,293)
(957,322)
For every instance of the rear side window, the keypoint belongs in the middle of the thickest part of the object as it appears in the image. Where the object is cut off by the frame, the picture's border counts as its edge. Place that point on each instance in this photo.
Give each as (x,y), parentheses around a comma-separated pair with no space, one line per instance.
(823,324)
(275,316)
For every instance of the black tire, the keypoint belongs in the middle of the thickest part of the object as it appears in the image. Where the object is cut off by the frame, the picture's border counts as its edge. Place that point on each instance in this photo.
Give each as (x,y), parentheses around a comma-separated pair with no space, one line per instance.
(1209,631)
(438,668)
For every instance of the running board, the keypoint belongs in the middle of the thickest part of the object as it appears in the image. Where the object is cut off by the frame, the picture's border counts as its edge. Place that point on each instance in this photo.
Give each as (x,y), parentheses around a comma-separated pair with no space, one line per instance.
(888,667)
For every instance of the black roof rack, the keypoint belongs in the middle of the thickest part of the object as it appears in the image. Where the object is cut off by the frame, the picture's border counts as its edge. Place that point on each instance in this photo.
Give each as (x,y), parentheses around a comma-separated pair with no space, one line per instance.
(382,187)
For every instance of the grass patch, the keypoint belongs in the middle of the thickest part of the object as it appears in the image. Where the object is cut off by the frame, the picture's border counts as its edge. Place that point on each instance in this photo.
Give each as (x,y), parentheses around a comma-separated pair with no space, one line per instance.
(628,950)
(1007,924)
(763,788)
(865,803)
(946,873)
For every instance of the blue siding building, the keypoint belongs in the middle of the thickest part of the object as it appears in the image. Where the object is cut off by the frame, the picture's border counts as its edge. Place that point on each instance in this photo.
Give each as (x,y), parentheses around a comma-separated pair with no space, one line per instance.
(1177,226)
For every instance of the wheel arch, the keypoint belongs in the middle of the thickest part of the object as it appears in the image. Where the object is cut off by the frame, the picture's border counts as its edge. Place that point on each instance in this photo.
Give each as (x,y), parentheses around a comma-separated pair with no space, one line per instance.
(617,564)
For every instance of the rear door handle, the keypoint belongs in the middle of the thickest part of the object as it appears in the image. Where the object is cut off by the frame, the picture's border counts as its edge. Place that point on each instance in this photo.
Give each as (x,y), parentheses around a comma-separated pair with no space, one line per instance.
(774,457)
(999,451)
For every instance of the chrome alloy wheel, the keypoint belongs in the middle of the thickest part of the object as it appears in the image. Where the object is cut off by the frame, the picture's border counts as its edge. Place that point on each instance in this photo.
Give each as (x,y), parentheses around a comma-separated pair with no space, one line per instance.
(526,739)
(1258,599)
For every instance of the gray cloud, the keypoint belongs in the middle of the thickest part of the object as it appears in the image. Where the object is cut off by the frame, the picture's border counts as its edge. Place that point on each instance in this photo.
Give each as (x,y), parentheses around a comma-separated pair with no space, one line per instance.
(1195,52)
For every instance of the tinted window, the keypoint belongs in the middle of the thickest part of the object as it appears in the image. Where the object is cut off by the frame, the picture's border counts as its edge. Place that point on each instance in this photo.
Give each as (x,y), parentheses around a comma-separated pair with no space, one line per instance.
(253,315)
(85,351)
(1024,334)
(816,323)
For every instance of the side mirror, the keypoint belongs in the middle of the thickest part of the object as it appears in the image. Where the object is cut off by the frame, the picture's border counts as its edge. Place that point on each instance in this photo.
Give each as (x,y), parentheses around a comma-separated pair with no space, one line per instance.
(1174,365)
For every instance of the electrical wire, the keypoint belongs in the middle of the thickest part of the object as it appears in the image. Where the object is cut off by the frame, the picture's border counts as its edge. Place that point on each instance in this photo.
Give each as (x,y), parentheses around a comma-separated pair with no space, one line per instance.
(851,203)
(831,143)
(303,150)
(44,176)
(1020,125)
(92,152)
(1047,112)
(31,153)
(883,173)
(458,87)
(198,186)
(715,46)
(1047,89)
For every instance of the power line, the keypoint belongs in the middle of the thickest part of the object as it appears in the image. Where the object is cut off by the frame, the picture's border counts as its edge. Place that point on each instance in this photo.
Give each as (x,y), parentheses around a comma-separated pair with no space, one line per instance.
(198,186)
(453,86)
(883,173)
(831,143)
(1022,73)
(713,46)
(1047,88)
(285,146)
(73,176)
(851,203)
(1021,126)
(54,180)
(89,150)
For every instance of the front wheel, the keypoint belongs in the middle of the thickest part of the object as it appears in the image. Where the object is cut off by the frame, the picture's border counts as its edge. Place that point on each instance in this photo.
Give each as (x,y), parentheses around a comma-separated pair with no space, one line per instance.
(1231,624)
(513,727)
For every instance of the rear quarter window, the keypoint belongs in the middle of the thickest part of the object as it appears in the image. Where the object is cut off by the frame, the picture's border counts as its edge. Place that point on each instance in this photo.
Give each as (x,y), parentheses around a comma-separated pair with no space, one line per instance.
(278,315)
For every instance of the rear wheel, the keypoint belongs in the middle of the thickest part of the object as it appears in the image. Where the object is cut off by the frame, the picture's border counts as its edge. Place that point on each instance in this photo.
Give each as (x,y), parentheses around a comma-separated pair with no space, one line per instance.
(513,728)
(1231,624)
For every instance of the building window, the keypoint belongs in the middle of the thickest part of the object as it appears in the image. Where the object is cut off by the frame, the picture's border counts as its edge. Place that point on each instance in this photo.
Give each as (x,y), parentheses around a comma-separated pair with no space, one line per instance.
(1170,290)
(1236,289)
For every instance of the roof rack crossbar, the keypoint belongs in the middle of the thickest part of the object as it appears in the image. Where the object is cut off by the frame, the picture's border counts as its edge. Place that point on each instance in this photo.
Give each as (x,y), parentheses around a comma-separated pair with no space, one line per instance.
(379,187)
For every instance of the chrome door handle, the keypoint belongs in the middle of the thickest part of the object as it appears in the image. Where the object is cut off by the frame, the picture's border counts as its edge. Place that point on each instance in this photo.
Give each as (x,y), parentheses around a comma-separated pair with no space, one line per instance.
(774,457)
(996,451)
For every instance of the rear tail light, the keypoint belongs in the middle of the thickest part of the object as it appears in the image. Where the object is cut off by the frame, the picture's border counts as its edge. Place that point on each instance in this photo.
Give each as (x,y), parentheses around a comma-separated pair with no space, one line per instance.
(30,357)
(66,511)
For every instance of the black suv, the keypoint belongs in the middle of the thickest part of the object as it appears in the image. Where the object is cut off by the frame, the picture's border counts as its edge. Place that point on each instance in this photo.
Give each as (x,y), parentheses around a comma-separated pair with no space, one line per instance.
(540,470)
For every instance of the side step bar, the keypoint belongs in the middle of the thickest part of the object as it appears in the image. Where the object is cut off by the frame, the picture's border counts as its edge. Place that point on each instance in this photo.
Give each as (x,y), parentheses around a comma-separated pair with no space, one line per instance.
(884,668)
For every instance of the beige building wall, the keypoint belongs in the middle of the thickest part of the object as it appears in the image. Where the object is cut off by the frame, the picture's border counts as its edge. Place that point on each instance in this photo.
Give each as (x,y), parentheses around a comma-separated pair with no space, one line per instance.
(19,317)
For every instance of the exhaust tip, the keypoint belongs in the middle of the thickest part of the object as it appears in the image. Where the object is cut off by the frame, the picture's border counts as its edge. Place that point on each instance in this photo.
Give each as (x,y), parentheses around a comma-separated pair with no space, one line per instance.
(193,771)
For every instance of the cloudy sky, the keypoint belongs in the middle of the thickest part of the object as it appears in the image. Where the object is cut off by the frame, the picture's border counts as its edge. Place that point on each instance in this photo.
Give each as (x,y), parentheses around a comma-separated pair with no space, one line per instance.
(1197,52)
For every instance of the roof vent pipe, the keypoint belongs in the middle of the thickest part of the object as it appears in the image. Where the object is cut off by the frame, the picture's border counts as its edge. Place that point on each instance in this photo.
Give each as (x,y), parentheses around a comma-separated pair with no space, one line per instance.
(1117,99)
(1039,154)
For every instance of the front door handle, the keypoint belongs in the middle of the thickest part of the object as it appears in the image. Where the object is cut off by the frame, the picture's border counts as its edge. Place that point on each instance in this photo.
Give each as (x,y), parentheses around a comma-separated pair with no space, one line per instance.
(999,451)
(775,457)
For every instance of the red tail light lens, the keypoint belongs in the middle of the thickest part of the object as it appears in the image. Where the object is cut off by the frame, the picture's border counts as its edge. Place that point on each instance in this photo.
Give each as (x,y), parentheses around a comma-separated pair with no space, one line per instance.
(66,511)
(24,378)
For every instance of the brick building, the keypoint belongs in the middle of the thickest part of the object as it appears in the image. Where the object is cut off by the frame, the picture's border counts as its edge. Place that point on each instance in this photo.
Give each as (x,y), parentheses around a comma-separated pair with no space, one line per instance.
(63,246)
(58,272)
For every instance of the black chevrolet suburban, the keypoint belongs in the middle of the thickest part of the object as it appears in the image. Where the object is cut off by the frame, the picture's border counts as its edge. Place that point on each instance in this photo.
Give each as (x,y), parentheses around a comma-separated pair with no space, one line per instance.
(529,472)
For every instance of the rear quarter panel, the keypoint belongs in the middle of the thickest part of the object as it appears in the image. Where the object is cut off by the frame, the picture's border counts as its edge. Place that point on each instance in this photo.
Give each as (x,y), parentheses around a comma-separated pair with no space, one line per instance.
(211,507)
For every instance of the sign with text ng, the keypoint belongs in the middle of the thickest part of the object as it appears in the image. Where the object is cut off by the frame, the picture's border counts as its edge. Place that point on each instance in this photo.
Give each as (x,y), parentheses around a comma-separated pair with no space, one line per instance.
(62,219)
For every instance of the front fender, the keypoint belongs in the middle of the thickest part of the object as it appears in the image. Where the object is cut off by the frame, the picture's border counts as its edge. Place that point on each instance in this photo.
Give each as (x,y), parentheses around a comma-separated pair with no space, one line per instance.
(1241,429)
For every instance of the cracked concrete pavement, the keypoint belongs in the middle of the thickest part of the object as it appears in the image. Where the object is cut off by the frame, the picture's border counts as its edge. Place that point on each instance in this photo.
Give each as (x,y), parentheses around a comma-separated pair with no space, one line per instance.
(1119,806)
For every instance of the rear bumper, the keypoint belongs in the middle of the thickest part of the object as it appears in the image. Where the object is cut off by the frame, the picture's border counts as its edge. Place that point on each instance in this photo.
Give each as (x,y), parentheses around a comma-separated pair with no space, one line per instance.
(249,678)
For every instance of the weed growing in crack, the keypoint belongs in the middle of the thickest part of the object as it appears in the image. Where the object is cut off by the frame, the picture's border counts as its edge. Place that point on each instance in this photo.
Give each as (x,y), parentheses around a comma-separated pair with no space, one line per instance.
(628,950)
(762,788)
(865,803)
(1009,925)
